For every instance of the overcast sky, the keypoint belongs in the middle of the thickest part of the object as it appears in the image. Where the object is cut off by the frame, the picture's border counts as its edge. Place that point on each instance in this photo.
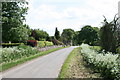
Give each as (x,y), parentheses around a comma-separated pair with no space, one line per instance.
(74,14)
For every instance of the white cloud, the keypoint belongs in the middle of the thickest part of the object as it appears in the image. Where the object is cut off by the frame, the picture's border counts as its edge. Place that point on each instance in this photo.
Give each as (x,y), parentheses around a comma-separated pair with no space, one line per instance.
(48,16)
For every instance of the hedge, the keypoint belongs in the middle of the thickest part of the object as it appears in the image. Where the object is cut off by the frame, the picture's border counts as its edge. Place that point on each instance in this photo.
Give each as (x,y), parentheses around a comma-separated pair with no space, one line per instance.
(11,44)
(44,43)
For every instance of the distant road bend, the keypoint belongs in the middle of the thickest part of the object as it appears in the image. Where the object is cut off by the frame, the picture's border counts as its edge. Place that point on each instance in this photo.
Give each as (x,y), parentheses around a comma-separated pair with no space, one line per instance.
(47,66)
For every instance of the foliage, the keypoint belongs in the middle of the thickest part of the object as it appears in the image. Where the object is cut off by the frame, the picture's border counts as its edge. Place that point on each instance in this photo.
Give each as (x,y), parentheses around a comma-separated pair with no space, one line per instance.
(57,34)
(41,43)
(19,34)
(88,35)
(76,38)
(118,50)
(106,63)
(110,35)
(11,64)
(15,53)
(32,43)
(13,16)
(39,34)
(49,38)
(67,36)
(31,38)
(49,43)
(44,43)
(10,44)
(97,48)
(56,42)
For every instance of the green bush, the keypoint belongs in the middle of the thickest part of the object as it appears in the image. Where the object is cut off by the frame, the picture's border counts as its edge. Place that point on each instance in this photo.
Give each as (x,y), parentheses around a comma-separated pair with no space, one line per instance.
(31,38)
(44,43)
(97,48)
(41,43)
(49,43)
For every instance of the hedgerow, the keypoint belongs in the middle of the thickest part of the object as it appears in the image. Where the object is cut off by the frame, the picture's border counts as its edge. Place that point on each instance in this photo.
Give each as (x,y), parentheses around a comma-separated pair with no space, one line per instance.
(15,53)
(106,63)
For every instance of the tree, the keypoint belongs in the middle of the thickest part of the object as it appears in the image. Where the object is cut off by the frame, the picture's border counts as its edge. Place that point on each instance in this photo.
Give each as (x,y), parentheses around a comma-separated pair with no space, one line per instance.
(57,34)
(13,16)
(40,35)
(67,36)
(88,35)
(76,38)
(19,34)
(110,35)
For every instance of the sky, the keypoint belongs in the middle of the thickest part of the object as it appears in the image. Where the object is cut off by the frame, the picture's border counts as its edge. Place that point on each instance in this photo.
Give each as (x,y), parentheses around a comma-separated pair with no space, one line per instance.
(48,14)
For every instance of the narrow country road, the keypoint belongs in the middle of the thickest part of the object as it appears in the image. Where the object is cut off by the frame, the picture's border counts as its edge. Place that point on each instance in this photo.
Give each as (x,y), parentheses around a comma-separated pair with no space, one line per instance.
(47,66)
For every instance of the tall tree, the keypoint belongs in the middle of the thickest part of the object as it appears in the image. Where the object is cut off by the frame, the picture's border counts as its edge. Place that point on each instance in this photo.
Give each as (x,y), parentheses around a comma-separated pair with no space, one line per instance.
(13,16)
(87,35)
(39,34)
(75,38)
(67,36)
(57,34)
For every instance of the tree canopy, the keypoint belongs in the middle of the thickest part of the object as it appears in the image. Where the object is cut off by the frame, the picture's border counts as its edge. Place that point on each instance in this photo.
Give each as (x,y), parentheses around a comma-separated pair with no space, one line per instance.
(67,36)
(88,35)
(13,16)
(39,35)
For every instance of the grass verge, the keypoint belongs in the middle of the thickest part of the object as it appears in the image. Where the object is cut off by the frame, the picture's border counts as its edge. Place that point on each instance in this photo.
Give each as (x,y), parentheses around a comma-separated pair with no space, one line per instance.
(74,67)
(9,65)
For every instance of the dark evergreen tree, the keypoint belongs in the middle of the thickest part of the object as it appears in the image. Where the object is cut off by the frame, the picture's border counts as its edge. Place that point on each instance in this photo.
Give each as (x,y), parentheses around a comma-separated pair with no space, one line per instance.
(110,35)
(57,34)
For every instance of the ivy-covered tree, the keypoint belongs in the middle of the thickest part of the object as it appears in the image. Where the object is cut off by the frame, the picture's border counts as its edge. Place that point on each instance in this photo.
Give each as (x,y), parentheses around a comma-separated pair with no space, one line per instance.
(13,17)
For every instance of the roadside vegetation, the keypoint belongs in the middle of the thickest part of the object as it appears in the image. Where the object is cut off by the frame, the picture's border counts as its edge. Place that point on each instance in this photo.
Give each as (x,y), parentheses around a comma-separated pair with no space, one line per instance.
(75,67)
(104,62)
(17,55)
(100,45)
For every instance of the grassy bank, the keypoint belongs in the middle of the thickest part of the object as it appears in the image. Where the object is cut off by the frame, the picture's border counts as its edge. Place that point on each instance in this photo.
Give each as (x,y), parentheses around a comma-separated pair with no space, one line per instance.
(9,65)
(75,67)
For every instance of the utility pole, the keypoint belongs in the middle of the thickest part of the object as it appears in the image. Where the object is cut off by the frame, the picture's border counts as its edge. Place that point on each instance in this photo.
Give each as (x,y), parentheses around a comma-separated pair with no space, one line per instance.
(119,10)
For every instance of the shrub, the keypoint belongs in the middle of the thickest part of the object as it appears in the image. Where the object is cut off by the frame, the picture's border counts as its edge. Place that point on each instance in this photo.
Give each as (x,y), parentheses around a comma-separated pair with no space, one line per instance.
(32,43)
(106,63)
(48,43)
(41,43)
(44,43)
(31,38)
(15,53)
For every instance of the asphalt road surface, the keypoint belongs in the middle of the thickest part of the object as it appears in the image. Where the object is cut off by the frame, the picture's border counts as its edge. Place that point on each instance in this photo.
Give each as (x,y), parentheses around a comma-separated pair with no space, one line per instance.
(47,66)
